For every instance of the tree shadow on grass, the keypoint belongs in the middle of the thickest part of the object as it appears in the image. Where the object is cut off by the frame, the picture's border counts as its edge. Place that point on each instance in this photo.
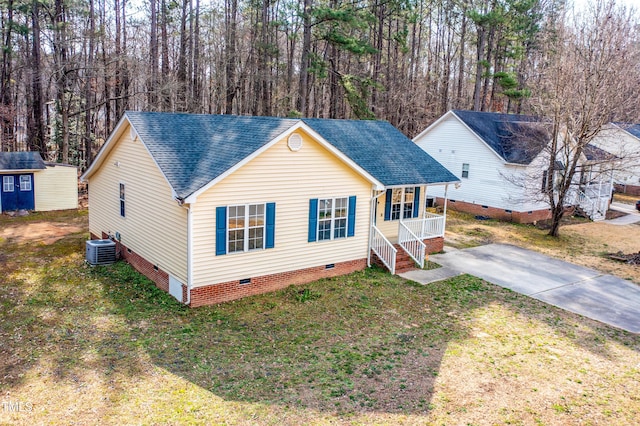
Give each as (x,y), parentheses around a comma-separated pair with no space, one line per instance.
(364,343)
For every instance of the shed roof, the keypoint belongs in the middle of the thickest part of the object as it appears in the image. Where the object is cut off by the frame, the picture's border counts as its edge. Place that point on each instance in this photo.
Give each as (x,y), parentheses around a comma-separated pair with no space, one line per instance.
(515,138)
(21,161)
(194,149)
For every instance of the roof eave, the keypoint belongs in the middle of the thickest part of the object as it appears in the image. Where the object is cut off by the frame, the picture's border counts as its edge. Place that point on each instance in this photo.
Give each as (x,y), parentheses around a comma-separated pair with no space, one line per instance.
(105,149)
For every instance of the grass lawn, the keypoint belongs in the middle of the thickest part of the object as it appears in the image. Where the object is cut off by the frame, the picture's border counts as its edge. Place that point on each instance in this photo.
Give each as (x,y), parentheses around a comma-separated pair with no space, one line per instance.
(101,345)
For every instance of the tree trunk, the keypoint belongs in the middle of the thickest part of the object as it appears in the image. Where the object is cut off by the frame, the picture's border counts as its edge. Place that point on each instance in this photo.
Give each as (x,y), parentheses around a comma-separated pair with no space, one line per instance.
(35,123)
(303,88)
(231,16)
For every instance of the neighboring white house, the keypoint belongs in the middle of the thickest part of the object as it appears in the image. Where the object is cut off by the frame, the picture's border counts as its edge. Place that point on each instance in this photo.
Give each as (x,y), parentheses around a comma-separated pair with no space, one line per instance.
(502,163)
(623,141)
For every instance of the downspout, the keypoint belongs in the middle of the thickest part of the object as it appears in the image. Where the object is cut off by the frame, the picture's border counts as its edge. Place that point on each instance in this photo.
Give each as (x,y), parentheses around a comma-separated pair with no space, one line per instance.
(189,247)
(372,218)
(189,254)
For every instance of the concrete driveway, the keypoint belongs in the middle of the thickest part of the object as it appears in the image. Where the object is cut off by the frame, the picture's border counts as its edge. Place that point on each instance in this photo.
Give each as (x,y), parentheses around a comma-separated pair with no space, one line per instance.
(584,291)
(632,215)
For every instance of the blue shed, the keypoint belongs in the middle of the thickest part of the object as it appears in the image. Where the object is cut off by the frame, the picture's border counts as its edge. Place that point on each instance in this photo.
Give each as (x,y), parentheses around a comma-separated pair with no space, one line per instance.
(28,183)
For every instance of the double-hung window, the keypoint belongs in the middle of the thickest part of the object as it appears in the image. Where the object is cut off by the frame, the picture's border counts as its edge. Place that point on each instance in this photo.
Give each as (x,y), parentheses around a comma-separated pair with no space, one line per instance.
(396,203)
(25,182)
(402,203)
(409,199)
(465,170)
(7,183)
(332,218)
(122,203)
(245,227)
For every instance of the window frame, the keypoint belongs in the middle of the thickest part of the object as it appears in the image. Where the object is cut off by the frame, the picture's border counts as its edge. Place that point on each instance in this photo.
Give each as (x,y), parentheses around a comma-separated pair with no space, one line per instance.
(6,184)
(246,228)
(404,208)
(333,229)
(465,170)
(396,207)
(122,197)
(30,188)
(408,214)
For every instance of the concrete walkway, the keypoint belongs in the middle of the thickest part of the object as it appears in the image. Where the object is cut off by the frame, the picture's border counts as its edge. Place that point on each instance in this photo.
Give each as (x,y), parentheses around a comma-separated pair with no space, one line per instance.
(584,291)
(633,215)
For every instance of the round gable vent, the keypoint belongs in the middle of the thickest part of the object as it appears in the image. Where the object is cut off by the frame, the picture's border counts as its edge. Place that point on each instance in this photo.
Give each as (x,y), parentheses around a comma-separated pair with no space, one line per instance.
(294,142)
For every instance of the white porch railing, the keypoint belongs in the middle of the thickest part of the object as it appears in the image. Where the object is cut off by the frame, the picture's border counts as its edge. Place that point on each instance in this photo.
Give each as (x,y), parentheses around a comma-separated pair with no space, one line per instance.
(594,206)
(431,226)
(385,251)
(411,243)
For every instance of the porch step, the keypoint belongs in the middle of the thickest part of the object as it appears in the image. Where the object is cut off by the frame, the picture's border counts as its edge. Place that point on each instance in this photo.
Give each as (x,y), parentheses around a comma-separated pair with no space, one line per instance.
(404,262)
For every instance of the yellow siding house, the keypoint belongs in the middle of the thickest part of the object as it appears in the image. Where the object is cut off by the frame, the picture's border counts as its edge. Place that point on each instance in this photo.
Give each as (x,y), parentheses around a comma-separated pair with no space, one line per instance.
(218,207)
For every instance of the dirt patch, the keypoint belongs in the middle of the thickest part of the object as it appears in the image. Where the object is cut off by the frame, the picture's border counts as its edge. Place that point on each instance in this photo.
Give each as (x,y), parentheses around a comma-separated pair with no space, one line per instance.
(44,232)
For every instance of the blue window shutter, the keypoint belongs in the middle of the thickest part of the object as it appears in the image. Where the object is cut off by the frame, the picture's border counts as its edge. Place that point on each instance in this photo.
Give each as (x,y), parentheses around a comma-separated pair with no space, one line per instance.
(387,205)
(271,225)
(351,218)
(313,219)
(221,230)
(416,202)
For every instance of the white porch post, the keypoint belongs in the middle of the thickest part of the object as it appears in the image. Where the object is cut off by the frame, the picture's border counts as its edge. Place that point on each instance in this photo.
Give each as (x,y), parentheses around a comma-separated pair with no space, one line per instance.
(423,207)
(444,211)
(372,220)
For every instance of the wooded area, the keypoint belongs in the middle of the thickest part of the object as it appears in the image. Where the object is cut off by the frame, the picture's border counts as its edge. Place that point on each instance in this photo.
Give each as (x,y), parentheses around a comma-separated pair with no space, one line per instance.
(70,68)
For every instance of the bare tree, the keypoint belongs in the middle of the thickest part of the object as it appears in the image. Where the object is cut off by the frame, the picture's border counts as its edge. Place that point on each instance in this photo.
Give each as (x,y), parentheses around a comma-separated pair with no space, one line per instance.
(589,77)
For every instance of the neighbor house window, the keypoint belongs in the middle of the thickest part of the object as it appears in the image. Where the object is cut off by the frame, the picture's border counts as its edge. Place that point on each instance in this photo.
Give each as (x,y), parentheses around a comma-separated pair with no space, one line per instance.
(7,183)
(122,210)
(245,227)
(465,170)
(25,183)
(331,218)
(547,181)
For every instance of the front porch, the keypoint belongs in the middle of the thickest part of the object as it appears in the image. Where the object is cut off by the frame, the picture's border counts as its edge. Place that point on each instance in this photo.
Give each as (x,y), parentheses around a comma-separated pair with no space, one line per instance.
(404,233)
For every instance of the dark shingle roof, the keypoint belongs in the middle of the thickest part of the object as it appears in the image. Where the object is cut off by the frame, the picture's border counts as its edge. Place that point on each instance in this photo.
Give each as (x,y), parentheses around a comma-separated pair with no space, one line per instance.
(383,151)
(633,129)
(21,161)
(516,138)
(593,153)
(192,150)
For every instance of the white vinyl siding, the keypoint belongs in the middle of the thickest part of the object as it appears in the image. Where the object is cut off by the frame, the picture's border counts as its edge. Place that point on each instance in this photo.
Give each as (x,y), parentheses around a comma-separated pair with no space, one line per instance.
(492,181)
(155,226)
(311,172)
(56,188)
